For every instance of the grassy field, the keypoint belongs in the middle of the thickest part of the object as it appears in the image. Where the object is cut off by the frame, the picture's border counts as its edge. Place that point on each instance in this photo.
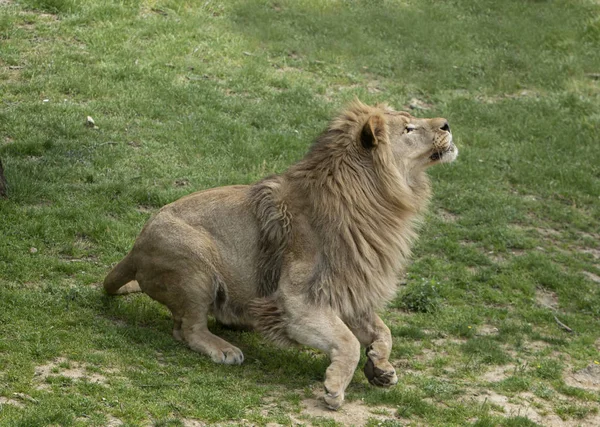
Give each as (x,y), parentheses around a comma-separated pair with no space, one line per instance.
(189,95)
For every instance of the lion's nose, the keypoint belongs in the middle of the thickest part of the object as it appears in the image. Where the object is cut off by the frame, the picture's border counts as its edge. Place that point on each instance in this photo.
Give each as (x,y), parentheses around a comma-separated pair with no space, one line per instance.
(445,127)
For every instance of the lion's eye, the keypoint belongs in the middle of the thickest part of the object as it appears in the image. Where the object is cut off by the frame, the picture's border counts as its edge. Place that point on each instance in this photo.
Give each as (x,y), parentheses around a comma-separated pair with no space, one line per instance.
(409,128)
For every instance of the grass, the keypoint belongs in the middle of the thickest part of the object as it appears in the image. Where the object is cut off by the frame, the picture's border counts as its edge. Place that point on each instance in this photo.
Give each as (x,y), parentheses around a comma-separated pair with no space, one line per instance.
(190,95)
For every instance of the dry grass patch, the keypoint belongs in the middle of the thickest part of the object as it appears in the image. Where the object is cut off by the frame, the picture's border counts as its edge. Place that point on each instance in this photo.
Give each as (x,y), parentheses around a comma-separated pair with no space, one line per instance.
(62,367)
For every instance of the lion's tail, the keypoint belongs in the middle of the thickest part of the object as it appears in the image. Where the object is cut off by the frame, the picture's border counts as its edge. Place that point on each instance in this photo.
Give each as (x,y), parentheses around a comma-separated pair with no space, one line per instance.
(121,279)
(271,319)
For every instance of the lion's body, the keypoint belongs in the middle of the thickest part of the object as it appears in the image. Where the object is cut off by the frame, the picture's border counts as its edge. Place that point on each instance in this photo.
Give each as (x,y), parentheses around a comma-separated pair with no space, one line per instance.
(306,256)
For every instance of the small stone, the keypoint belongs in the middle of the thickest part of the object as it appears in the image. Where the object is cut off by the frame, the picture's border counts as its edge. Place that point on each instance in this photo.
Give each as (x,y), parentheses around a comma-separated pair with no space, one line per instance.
(417,104)
(33,250)
(89,122)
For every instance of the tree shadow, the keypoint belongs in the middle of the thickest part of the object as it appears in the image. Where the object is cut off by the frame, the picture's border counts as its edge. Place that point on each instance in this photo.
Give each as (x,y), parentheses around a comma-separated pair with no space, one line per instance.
(430,45)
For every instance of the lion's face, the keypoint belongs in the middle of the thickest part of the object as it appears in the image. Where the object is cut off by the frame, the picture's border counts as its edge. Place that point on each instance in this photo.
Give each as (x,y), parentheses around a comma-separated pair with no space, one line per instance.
(420,142)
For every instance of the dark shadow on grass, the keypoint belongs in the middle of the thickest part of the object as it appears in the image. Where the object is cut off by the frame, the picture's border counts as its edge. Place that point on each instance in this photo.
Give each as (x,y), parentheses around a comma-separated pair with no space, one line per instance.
(146,323)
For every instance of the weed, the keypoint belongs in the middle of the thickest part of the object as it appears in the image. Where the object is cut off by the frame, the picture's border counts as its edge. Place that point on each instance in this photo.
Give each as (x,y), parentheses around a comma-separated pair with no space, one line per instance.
(421,297)
(548,369)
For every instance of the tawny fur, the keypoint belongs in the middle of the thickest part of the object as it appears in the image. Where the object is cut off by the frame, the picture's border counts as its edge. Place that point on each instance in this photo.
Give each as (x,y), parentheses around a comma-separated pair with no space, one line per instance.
(362,208)
(305,256)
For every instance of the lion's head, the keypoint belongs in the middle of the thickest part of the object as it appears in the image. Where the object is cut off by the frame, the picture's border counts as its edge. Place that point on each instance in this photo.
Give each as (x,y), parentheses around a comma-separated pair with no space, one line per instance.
(414,143)
(377,150)
(382,134)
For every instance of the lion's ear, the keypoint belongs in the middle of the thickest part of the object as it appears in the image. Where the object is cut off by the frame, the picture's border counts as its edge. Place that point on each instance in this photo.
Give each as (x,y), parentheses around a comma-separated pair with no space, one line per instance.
(373,132)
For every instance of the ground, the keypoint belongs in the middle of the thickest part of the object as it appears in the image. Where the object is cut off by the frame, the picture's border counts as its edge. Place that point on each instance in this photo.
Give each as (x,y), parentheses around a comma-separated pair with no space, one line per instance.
(112,109)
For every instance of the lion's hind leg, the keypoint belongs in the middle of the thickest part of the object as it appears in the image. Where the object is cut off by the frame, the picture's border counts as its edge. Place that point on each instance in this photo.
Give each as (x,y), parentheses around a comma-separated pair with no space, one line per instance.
(195,333)
(178,269)
(189,299)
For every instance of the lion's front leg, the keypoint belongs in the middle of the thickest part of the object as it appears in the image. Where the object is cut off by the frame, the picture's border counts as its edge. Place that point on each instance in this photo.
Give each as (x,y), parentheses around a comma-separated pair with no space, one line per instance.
(323,329)
(377,338)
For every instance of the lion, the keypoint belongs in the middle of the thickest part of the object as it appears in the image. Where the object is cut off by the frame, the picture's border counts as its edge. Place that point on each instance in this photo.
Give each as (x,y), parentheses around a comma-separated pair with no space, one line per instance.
(307,256)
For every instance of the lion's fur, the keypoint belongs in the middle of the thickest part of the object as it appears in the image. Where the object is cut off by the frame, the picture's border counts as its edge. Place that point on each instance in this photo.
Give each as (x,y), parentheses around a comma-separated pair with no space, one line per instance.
(274,223)
(362,209)
(307,255)
(365,212)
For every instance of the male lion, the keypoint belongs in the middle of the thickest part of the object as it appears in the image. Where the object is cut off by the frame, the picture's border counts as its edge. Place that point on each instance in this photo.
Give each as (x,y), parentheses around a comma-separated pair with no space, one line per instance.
(307,256)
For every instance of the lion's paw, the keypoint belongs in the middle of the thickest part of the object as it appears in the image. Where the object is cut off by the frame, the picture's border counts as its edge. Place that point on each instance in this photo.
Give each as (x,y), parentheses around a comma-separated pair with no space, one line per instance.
(333,400)
(383,375)
(228,356)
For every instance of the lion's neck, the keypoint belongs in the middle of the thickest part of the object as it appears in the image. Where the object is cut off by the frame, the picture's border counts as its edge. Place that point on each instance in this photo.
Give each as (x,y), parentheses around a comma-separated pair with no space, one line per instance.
(367,219)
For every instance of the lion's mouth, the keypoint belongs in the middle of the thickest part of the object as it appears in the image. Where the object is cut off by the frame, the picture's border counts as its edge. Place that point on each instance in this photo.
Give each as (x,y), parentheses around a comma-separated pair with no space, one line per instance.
(436,156)
(445,155)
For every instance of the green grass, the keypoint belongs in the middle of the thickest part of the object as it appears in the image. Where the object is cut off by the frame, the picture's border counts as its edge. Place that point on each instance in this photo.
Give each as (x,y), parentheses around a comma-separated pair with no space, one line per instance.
(192,95)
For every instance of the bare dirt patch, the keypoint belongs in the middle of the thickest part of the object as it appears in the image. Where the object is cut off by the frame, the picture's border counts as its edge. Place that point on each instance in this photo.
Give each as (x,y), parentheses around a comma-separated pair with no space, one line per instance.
(507,96)
(595,253)
(496,258)
(548,232)
(498,373)
(447,216)
(145,209)
(592,236)
(587,378)
(375,86)
(442,342)
(417,104)
(112,421)
(65,368)
(546,298)
(486,330)
(530,406)
(537,346)
(593,277)
(522,405)
(288,69)
(6,400)
(187,422)
(350,414)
